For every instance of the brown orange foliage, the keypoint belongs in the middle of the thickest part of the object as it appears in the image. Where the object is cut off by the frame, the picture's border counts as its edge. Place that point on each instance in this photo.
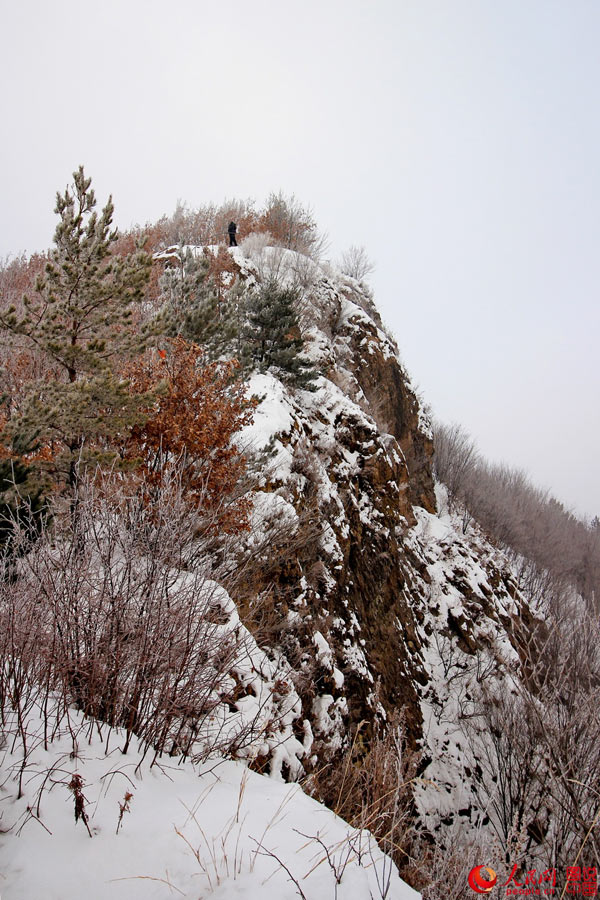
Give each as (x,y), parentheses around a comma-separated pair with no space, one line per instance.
(19,370)
(221,268)
(198,410)
(18,276)
(242,214)
(289,223)
(4,441)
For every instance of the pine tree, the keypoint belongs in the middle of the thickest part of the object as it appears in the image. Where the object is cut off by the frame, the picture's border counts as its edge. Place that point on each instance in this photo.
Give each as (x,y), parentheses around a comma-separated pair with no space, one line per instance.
(81,319)
(272,335)
(192,308)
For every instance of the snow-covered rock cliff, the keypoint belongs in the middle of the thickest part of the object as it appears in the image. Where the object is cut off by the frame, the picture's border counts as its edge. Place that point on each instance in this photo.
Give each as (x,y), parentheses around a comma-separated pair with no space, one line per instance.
(363,610)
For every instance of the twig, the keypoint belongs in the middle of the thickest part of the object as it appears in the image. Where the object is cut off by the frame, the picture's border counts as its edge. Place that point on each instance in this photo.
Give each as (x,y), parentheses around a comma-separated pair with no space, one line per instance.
(37,819)
(150,878)
(590,829)
(270,853)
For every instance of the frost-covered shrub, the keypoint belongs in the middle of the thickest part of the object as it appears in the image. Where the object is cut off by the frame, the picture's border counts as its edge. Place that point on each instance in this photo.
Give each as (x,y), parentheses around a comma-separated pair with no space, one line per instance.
(120,616)
(254,245)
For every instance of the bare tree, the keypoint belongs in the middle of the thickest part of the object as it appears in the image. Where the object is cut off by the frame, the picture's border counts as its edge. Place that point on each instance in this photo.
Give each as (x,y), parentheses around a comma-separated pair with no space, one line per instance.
(535,745)
(546,542)
(456,456)
(356,263)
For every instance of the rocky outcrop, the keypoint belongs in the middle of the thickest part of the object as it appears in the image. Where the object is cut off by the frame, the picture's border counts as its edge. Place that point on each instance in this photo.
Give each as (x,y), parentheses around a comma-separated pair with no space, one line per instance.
(382,598)
(393,404)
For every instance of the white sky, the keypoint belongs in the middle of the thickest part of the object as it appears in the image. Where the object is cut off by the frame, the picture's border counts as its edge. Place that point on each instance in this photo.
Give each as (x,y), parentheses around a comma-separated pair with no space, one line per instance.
(458,140)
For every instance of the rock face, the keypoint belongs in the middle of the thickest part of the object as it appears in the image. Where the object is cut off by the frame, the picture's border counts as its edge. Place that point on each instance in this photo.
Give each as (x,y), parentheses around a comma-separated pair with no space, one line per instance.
(380,601)
(392,402)
(356,451)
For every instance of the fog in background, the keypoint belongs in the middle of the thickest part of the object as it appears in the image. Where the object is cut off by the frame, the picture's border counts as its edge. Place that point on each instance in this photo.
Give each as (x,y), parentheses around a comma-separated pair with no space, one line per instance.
(457,141)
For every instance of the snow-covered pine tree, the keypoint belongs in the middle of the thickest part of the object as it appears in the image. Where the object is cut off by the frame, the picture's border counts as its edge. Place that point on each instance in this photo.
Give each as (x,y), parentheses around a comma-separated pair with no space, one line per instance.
(272,338)
(193,310)
(80,319)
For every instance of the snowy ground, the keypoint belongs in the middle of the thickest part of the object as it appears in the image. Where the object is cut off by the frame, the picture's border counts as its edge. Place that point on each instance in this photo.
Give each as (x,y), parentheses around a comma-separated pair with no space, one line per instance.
(221,831)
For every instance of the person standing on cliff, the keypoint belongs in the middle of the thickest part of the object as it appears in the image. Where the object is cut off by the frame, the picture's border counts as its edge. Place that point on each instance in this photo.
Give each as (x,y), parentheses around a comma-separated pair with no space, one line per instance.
(232,230)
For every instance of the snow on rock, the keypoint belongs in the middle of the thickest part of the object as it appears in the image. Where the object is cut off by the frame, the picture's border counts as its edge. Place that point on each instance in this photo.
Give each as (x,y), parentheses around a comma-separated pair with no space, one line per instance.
(466,637)
(274,415)
(396,606)
(325,657)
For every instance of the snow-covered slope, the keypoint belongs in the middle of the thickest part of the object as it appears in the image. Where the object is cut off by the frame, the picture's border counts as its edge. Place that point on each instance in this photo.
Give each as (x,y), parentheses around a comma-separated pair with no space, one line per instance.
(169,829)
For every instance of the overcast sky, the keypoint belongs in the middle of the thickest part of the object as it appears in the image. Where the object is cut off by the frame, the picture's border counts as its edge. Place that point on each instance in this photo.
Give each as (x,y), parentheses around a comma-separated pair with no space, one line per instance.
(457,140)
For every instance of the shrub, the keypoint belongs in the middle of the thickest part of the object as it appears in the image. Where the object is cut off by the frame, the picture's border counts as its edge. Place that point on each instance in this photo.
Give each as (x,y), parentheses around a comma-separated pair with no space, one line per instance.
(193,423)
(121,619)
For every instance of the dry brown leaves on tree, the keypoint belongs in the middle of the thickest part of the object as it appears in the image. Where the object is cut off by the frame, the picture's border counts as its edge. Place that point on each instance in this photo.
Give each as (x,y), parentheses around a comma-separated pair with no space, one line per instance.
(197,413)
